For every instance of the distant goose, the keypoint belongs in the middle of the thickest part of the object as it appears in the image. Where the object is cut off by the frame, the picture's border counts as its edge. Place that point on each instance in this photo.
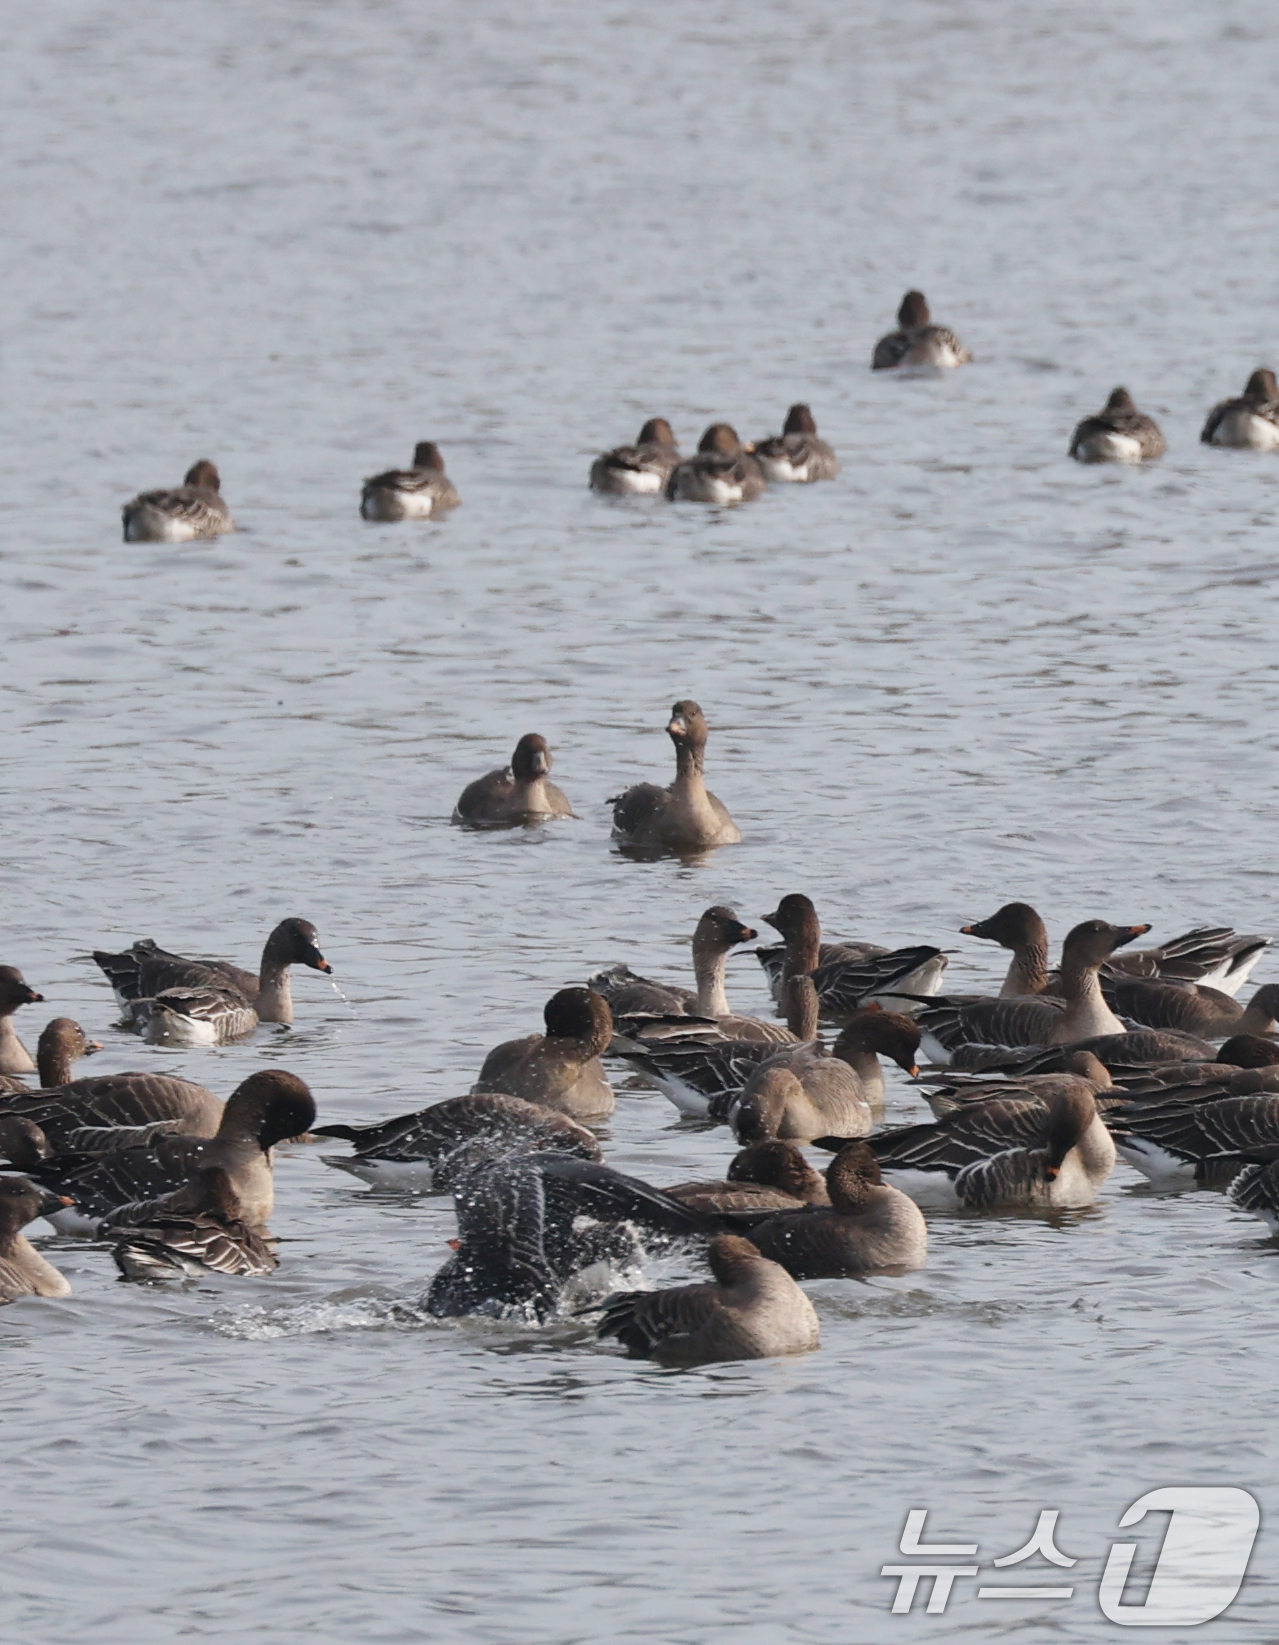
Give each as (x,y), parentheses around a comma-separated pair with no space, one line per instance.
(796,456)
(1008,1151)
(686,816)
(177,1001)
(23,1271)
(518,793)
(1214,955)
(197,1229)
(641,470)
(847,976)
(754,1310)
(193,509)
(868,1227)
(633,999)
(722,472)
(14,992)
(431,1150)
(764,1176)
(416,493)
(561,1068)
(1250,422)
(1118,433)
(1202,1137)
(917,341)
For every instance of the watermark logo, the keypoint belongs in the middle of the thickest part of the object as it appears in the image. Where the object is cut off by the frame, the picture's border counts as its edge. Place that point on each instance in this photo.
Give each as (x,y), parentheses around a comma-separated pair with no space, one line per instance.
(1200,1569)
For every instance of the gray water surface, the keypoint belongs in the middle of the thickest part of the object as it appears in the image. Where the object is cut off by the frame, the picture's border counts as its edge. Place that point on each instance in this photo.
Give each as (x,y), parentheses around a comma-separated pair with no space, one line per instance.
(297,238)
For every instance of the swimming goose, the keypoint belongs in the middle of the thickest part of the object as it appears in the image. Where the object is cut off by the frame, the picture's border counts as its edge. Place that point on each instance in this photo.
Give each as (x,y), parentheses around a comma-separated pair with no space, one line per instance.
(765,1176)
(1245,1062)
(197,1229)
(868,1227)
(1039,1020)
(416,493)
(1193,1010)
(796,456)
(632,999)
(803,1091)
(722,472)
(917,341)
(1250,422)
(23,1271)
(517,793)
(1118,433)
(948,1092)
(1135,1052)
(193,509)
(115,1099)
(641,470)
(754,1310)
(178,1001)
(847,976)
(561,1068)
(14,992)
(528,1227)
(430,1150)
(267,1108)
(686,816)
(1214,955)
(1200,1137)
(1006,1151)
(61,1044)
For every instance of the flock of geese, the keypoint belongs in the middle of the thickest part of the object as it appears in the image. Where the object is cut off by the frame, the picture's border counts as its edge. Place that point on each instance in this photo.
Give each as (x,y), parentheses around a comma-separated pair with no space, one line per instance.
(724,470)
(1036,1090)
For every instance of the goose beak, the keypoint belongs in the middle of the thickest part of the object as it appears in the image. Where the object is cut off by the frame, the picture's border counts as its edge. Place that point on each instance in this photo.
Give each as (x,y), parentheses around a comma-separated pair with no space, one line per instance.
(1131,931)
(541,765)
(51,1202)
(33,998)
(317,962)
(678,726)
(968,930)
(90,1046)
(453,1244)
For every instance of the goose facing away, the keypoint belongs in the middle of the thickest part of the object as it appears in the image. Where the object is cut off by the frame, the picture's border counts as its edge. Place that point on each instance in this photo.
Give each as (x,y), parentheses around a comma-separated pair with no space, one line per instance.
(561,1068)
(1250,423)
(917,342)
(23,1271)
(1194,1010)
(194,509)
(197,1229)
(723,471)
(1118,433)
(754,1310)
(419,492)
(796,456)
(847,976)
(686,816)
(14,992)
(765,1176)
(641,470)
(518,793)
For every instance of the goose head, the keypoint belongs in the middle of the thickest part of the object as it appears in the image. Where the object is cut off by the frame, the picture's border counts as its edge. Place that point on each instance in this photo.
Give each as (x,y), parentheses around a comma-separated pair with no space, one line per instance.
(203,475)
(531,759)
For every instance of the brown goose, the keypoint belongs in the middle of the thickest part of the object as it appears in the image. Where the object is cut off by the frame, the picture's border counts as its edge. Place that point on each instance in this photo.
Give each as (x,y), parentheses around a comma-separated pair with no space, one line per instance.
(633,999)
(796,456)
(1252,421)
(1125,1055)
(419,492)
(946,1093)
(194,509)
(199,1228)
(722,472)
(14,992)
(1191,1010)
(641,470)
(1205,1136)
(519,793)
(1213,955)
(917,342)
(1040,1020)
(1118,433)
(847,976)
(61,1045)
(686,816)
(766,1176)
(23,1271)
(869,1226)
(754,1310)
(561,1068)
(802,1091)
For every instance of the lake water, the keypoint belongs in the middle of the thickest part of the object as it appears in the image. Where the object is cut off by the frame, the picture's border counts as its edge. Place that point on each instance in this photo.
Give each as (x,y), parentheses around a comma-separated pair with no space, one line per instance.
(297,238)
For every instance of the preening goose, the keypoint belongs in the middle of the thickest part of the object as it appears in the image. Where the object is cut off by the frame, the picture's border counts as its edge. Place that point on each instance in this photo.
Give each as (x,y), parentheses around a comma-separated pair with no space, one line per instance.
(194,509)
(723,471)
(764,1176)
(561,1068)
(419,492)
(796,456)
(686,816)
(197,1229)
(430,1151)
(847,976)
(14,992)
(754,1310)
(518,793)
(1007,1151)
(641,470)
(917,342)
(1252,421)
(1118,433)
(23,1271)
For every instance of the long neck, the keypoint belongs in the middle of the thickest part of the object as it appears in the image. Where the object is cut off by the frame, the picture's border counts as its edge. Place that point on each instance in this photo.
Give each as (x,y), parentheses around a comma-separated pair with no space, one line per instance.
(801,1008)
(689,759)
(14,1056)
(866,1065)
(1028,973)
(711,971)
(54,1061)
(275,989)
(1257,1019)
(1086,1011)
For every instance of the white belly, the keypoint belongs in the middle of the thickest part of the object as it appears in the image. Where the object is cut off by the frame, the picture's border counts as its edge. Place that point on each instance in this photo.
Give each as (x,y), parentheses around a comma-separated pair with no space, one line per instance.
(934,1190)
(1110,448)
(781,471)
(168,1028)
(708,488)
(1244,429)
(933,1049)
(385,504)
(152,525)
(637,482)
(412,1175)
(1165,1170)
(72,1221)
